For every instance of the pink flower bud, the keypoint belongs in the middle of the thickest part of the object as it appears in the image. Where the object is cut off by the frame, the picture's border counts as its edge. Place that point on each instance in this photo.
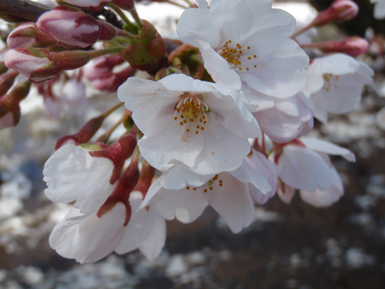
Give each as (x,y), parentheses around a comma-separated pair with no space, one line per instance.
(27,64)
(352,46)
(340,11)
(28,34)
(345,10)
(70,26)
(112,81)
(102,66)
(38,64)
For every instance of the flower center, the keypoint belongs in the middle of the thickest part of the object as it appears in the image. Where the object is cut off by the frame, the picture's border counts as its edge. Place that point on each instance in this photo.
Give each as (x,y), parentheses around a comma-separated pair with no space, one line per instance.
(190,112)
(328,81)
(212,184)
(240,58)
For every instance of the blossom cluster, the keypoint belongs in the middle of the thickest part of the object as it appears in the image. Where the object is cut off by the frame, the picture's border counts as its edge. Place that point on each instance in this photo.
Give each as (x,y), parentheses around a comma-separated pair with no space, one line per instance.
(221,120)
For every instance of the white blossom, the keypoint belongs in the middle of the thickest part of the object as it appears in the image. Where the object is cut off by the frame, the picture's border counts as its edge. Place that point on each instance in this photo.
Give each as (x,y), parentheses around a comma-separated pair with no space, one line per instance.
(189,121)
(335,83)
(246,44)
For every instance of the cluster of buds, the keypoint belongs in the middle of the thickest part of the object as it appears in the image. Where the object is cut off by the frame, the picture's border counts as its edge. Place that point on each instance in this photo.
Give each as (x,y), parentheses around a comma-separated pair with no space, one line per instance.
(221,116)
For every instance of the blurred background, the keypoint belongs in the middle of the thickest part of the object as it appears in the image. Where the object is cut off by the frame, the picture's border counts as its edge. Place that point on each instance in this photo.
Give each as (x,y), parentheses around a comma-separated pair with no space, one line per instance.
(287,246)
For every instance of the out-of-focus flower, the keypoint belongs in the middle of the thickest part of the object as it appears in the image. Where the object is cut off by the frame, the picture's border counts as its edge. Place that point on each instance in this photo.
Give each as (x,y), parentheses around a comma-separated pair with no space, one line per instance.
(265,167)
(28,34)
(313,171)
(191,121)
(247,44)
(69,26)
(318,198)
(339,11)
(379,9)
(352,46)
(327,197)
(335,83)
(290,118)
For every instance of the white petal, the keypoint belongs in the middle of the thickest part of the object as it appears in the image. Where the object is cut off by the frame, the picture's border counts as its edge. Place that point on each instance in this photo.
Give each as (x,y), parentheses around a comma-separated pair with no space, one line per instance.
(304,169)
(152,105)
(154,243)
(233,202)
(218,67)
(72,174)
(139,227)
(327,147)
(223,150)
(325,198)
(185,205)
(98,237)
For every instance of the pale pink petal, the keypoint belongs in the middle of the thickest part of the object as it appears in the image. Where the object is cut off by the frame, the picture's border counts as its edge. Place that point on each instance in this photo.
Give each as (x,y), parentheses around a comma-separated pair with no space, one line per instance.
(325,198)
(304,169)
(327,147)
(72,174)
(233,202)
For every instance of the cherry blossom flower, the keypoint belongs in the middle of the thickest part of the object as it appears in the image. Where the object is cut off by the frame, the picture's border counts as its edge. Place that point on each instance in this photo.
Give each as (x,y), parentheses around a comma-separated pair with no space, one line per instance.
(305,165)
(182,194)
(191,121)
(89,238)
(246,44)
(290,118)
(379,9)
(317,198)
(69,173)
(327,197)
(98,224)
(335,83)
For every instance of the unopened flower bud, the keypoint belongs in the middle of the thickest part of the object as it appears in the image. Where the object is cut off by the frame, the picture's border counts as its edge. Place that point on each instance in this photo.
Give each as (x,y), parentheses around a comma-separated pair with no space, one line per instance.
(70,26)
(38,64)
(149,52)
(112,81)
(345,9)
(27,63)
(102,66)
(352,46)
(6,81)
(339,11)
(28,34)
(84,135)
(10,104)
